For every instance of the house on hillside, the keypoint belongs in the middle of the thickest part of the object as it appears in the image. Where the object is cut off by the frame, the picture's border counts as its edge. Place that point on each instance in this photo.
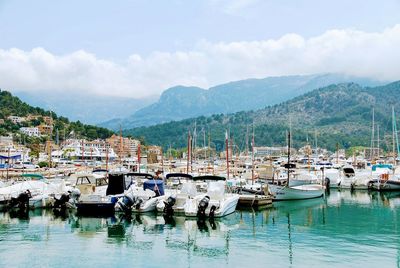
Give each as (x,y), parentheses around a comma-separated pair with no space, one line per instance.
(30,131)
(16,119)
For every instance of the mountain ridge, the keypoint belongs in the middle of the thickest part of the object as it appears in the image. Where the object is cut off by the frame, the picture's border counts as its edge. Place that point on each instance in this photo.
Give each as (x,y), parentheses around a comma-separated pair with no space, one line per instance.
(339,113)
(182,102)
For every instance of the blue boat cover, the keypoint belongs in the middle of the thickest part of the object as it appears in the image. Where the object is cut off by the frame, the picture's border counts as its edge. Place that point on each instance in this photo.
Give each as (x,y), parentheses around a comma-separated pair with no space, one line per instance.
(374,167)
(155,185)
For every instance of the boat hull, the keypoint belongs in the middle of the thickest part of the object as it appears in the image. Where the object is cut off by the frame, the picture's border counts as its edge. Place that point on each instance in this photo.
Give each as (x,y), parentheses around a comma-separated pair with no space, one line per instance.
(385,185)
(296,193)
(249,200)
(95,208)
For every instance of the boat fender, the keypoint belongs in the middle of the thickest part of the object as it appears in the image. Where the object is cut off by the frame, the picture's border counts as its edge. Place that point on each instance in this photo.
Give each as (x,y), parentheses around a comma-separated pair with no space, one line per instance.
(203,204)
(212,211)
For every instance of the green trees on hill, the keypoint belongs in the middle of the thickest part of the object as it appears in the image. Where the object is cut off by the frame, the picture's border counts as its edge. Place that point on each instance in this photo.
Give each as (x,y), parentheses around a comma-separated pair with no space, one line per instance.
(338,113)
(11,105)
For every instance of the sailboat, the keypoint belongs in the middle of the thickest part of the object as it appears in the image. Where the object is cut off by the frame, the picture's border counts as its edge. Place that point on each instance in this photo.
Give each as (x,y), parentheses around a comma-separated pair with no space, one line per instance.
(383,182)
(288,192)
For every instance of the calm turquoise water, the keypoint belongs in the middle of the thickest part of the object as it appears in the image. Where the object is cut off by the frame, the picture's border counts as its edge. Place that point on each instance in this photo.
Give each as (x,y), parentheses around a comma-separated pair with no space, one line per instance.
(342,230)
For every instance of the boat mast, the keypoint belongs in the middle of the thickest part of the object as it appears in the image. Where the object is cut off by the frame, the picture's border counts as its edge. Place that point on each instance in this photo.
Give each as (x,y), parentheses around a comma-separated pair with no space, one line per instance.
(372,135)
(227,153)
(247,140)
(138,156)
(377,129)
(204,143)
(288,161)
(337,153)
(395,138)
(252,157)
(106,159)
(120,144)
(188,153)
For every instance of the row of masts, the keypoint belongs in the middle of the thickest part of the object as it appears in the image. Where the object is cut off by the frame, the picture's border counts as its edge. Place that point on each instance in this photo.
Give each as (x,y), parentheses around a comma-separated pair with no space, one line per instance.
(376,141)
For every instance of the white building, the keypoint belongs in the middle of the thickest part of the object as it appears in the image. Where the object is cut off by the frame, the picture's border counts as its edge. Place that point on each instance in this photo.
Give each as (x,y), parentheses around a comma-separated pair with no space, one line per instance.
(16,119)
(30,131)
(85,150)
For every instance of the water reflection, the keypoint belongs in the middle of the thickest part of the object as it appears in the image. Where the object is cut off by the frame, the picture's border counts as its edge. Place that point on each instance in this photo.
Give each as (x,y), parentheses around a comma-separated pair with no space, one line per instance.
(352,225)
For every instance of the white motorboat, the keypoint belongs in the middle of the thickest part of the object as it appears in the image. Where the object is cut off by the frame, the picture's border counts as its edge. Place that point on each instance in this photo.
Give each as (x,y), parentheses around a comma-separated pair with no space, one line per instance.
(305,191)
(142,195)
(215,202)
(181,189)
(33,192)
(97,195)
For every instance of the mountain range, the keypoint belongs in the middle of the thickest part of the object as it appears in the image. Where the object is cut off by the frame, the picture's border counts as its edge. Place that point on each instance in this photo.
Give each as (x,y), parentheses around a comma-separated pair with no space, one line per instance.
(339,113)
(182,102)
(87,108)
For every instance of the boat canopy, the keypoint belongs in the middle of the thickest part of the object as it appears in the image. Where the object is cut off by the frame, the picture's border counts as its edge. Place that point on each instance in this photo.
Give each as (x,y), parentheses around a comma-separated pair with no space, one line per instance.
(116,184)
(33,176)
(388,166)
(155,185)
(18,156)
(209,178)
(179,175)
(99,170)
(138,174)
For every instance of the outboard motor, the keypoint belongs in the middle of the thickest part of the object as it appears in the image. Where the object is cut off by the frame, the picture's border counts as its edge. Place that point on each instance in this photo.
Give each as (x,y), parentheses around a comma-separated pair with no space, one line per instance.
(75,194)
(212,211)
(22,201)
(201,209)
(169,203)
(138,203)
(125,203)
(62,201)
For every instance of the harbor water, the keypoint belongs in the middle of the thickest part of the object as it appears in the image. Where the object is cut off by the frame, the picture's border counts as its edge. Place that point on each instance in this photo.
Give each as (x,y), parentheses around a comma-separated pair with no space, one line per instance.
(344,229)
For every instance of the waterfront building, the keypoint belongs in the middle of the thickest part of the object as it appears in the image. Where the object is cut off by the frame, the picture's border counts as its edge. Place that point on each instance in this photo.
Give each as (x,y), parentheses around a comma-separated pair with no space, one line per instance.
(85,150)
(123,146)
(269,151)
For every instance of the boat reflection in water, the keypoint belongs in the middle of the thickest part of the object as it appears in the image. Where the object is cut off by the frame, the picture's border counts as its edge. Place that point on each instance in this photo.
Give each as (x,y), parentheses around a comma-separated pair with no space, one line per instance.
(342,229)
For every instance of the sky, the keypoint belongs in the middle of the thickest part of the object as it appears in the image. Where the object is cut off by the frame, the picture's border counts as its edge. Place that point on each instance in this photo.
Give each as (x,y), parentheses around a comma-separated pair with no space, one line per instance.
(139,48)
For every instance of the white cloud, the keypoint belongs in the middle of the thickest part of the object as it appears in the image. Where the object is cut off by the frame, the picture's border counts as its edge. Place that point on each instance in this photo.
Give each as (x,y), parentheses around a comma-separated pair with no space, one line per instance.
(351,52)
